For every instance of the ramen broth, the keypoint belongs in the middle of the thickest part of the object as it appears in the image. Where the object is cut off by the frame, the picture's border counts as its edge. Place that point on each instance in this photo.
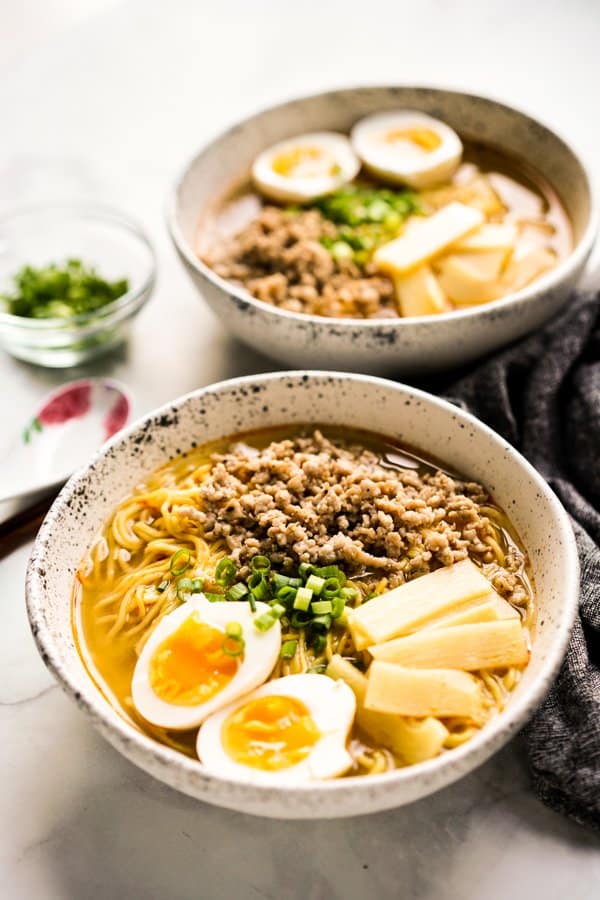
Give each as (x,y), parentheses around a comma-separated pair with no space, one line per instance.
(110,633)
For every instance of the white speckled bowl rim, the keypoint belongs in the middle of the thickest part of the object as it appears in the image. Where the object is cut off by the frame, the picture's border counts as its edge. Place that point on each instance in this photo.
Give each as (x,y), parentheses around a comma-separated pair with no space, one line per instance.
(547,282)
(341,797)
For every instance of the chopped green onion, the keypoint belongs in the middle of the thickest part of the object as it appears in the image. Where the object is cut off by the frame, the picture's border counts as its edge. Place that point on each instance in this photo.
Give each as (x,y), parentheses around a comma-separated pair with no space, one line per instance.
(214,598)
(359,204)
(233,646)
(337,606)
(315,584)
(259,586)
(284,580)
(161,588)
(319,643)
(286,594)
(260,564)
(311,601)
(238,591)
(184,586)
(62,290)
(188,586)
(288,649)
(303,598)
(180,561)
(331,572)
(341,250)
(277,609)
(322,623)
(320,607)
(233,630)
(300,619)
(331,587)
(225,572)
(265,621)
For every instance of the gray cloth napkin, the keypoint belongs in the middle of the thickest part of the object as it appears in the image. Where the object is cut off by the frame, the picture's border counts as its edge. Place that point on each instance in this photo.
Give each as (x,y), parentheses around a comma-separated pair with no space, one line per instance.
(543,395)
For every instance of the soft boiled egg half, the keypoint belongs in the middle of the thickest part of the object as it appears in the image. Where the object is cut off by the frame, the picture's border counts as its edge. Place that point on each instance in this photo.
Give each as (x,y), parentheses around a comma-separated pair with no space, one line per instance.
(305,167)
(291,729)
(200,657)
(407,148)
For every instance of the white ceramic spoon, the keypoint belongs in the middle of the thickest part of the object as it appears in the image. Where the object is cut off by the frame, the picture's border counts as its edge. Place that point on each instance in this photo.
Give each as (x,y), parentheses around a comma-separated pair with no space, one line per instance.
(68,426)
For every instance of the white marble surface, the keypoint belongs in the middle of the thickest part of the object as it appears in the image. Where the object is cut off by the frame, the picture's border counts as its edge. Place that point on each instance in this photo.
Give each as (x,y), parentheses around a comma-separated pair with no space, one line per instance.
(109,109)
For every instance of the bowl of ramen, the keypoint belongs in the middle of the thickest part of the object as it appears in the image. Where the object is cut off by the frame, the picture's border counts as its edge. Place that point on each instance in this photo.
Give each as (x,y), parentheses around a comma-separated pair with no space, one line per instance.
(305,594)
(384,229)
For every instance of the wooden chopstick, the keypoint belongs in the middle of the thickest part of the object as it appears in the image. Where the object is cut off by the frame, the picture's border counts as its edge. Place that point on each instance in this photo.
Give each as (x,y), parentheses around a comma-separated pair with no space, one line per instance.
(24,526)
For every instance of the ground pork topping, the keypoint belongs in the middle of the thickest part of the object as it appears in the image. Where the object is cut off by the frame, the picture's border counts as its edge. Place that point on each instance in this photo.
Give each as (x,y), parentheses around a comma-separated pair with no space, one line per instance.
(279,258)
(313,500)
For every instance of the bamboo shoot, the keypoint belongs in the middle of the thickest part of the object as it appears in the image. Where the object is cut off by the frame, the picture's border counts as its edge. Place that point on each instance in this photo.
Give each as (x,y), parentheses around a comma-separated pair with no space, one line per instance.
(415,603)
(483,610)
(434,234)
(422,692)
(484,645)
(419,294)
(411,740)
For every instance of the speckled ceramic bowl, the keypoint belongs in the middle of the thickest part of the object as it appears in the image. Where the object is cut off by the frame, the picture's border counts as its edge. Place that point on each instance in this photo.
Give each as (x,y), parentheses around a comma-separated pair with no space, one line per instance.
(420,344)
(409,415)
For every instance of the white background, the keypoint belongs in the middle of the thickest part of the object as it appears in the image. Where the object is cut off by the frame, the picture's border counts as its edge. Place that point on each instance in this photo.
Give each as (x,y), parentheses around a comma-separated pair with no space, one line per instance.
(104,99)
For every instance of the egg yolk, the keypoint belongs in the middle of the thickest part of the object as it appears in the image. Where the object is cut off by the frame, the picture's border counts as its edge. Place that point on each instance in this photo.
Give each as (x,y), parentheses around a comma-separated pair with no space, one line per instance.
(270,733)
(423,138)
(191,666)
(304,162)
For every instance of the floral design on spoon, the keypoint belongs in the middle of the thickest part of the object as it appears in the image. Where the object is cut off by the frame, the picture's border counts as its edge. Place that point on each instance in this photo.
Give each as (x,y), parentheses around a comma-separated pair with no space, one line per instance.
(117,416)
(67,427)
(73,401)
(69,402)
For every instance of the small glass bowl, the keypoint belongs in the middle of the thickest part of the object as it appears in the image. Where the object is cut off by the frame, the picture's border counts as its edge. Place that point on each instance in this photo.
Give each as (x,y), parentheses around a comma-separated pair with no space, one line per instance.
(101,237)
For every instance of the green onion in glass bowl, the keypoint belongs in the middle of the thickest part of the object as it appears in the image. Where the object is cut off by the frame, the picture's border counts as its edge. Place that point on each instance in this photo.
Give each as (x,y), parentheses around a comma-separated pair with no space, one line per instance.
(111,280)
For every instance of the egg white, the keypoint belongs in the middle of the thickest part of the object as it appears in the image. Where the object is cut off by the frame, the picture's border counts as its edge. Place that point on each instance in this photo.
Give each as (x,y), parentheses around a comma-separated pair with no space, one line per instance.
(301,189)
(261,651)
(397,163)
(332,706)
